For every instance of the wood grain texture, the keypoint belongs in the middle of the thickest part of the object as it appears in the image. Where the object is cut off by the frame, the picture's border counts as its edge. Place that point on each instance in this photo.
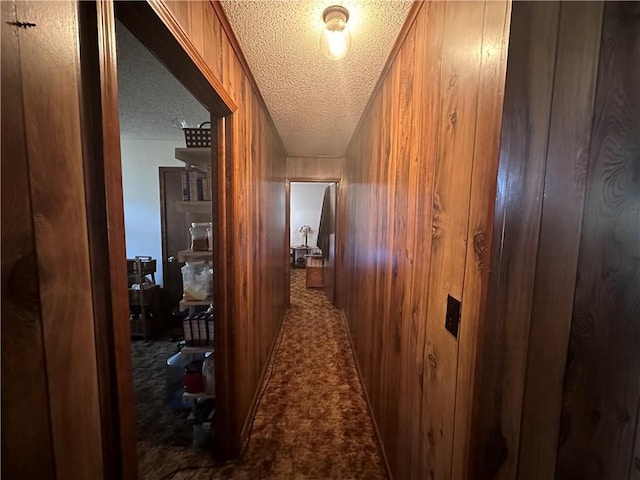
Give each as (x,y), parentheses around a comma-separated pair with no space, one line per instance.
(601,399)
(252,210)
(527,108)
(567,260)
(26,452)
(560,223)
(407,186)
(51,86)
(103,185)
(482,198)
(315,168)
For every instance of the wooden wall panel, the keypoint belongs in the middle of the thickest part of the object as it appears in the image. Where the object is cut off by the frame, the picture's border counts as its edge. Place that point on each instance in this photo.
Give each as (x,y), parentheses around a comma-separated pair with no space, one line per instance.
(527,108)
(317,168)
(407,186)
(601,402)
(27,449)
(255,212)
(482,195)
(553,407)
(54,280)
(52,52)
(560,220)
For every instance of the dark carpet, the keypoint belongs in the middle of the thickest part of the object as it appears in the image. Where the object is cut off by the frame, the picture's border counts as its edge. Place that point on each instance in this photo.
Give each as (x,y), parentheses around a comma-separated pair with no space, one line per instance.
(312,421)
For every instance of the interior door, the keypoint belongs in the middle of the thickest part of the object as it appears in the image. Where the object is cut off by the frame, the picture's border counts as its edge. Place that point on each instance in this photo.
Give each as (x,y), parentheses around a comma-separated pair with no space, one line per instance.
(175,234)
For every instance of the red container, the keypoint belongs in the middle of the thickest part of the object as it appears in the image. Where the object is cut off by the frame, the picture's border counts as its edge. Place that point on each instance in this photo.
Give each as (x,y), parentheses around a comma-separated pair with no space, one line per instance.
(192,378)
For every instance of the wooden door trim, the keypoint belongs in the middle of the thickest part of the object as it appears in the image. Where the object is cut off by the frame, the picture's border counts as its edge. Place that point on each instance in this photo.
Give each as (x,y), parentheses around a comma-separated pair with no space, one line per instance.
(287,241)
(105,220)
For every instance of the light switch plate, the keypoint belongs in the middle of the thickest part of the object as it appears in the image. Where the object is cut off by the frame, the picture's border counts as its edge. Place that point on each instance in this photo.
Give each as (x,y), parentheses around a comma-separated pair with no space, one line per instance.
(452,318)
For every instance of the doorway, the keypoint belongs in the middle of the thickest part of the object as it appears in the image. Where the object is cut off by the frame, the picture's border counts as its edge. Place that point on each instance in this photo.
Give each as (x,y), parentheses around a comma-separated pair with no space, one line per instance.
(166,186)
(100,104)
(311,237)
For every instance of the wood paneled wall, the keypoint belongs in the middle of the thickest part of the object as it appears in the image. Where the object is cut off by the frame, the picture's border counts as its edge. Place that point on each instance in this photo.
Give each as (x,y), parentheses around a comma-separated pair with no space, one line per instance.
(316,168)
(256,212)
(560,371)
(417,192)
(599,435)
(50,400)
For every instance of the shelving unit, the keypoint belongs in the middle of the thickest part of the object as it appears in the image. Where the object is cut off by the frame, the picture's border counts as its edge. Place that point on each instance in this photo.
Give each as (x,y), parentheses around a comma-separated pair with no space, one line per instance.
(199,158)
(195,206)
(203,395)
(184,255)
(185,304)
(197,349)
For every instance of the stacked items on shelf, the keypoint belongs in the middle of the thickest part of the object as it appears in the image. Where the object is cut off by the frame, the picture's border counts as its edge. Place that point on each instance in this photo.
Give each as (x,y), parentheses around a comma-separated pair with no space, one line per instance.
(195,186)
(198,329)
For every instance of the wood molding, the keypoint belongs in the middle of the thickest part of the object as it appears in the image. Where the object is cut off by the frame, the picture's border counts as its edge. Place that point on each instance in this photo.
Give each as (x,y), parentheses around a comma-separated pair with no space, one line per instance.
(226,26)
(106,236)
(402,35)
(366,396)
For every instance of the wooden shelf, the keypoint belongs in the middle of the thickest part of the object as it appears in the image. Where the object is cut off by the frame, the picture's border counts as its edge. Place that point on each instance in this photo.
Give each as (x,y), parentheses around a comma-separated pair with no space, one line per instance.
(197,395)
(195,207)
(197,349)
(185,255)
(199,158)
(184,304)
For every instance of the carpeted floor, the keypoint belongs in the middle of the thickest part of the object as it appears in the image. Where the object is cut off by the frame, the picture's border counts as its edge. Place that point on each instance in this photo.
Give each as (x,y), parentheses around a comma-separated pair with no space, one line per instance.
(312,421)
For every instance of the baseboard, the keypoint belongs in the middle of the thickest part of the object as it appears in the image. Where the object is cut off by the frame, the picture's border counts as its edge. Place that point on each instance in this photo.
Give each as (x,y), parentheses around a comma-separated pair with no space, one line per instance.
(248,421)
(366,397)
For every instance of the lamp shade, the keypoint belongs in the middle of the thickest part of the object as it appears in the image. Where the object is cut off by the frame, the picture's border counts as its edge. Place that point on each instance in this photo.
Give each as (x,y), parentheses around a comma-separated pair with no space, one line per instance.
(335,39)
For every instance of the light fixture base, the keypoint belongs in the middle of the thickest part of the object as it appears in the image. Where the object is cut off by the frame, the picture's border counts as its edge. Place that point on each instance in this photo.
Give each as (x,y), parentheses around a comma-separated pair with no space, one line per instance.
(333,9)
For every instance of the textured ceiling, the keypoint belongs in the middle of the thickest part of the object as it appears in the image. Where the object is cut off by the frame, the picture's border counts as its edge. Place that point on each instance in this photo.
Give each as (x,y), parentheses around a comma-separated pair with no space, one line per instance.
(315,103)
(149,96)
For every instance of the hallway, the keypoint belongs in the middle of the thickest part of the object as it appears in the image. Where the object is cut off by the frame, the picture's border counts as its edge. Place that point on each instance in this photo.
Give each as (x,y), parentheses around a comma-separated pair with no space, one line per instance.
(312,420)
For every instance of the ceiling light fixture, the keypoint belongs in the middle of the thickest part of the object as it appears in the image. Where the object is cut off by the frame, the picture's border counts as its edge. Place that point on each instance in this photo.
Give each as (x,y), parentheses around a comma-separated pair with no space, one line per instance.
(335,39)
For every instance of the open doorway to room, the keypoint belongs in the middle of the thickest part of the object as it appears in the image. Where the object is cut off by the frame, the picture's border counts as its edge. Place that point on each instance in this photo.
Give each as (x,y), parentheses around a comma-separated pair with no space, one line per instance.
(312,209)
(131,182)
(168,230)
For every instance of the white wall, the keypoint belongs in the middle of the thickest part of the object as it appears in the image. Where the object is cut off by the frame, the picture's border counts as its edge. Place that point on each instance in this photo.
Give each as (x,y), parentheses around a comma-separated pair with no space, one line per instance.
(306,207)
(141,190)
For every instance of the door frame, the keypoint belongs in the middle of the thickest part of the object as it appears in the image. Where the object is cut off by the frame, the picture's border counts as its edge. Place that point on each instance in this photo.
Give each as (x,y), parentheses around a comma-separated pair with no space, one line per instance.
(154,26)
(287,245)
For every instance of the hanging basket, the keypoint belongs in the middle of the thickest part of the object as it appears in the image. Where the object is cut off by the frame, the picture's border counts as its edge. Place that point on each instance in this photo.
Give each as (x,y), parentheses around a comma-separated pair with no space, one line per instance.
(198,137)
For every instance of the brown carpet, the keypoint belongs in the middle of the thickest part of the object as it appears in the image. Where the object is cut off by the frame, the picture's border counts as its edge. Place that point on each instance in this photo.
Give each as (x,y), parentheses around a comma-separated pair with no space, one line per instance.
(312,421)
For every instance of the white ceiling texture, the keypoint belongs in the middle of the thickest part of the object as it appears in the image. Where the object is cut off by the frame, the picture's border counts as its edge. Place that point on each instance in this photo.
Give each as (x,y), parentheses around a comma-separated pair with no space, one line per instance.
(150,97)
(315,103)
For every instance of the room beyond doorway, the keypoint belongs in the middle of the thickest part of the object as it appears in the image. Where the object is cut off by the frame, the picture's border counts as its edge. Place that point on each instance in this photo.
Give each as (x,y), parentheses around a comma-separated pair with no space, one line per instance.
(311,236)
